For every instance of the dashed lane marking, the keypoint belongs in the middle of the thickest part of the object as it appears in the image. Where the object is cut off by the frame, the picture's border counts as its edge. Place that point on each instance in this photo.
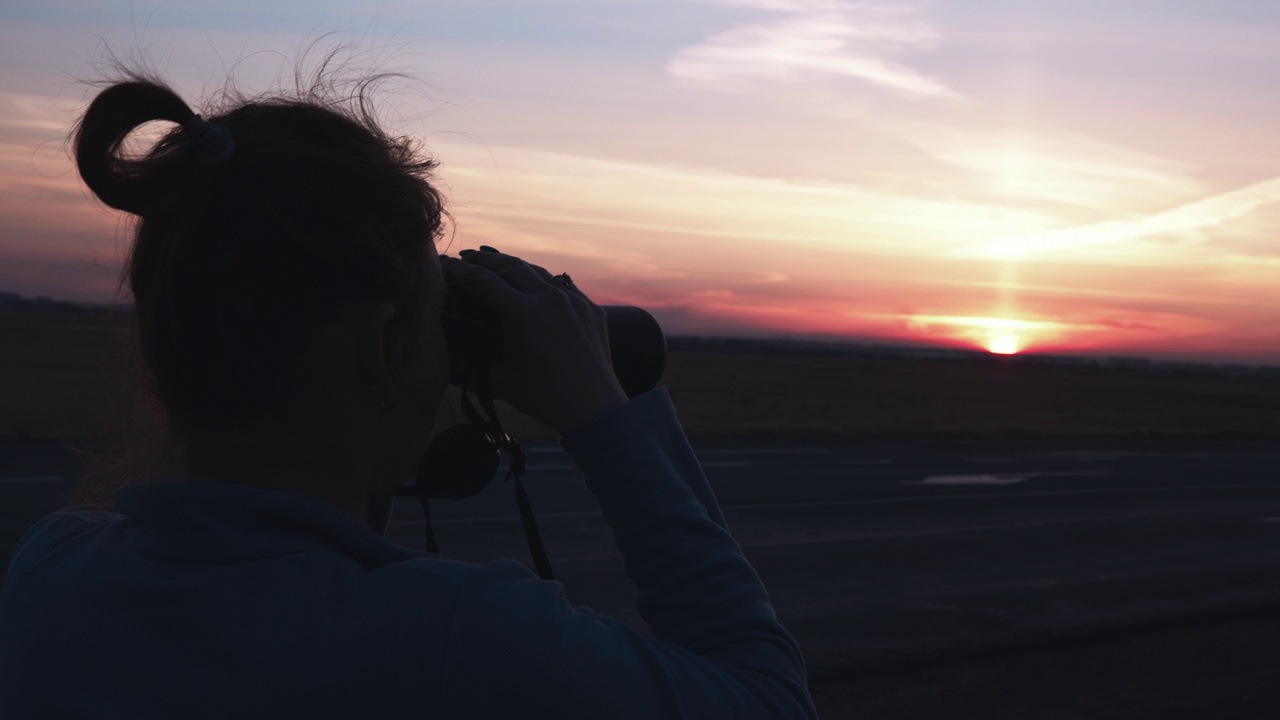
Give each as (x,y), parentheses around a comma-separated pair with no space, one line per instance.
(1099,455)
(1269,520)
(865,461)
(1006,479)
(991,459)
(1001,478)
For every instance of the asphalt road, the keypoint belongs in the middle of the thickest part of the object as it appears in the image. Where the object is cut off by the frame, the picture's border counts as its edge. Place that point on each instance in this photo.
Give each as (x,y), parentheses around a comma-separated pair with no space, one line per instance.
(921,575)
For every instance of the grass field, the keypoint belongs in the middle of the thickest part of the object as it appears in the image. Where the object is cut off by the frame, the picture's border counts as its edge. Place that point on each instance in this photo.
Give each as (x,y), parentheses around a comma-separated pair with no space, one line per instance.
(64,374)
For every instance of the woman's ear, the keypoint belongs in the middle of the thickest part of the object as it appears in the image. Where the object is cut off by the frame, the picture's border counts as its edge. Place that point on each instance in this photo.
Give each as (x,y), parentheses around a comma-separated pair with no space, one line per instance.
(373,350)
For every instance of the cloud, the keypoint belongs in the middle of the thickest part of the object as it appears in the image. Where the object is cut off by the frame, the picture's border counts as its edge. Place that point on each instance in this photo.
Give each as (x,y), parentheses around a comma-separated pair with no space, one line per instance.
(1190,217)
(772,277)
(533,189)
(816,39)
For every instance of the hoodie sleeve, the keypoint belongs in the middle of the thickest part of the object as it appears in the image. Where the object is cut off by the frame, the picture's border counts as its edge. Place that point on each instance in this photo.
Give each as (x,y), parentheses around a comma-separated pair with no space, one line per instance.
(717,649)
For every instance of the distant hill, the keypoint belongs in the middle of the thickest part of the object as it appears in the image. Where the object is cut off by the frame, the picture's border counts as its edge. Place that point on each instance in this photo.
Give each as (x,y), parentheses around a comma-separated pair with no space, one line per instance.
(16,301)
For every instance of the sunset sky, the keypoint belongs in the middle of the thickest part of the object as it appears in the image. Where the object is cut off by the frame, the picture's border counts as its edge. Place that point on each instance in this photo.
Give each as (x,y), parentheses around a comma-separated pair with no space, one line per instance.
(1059,176)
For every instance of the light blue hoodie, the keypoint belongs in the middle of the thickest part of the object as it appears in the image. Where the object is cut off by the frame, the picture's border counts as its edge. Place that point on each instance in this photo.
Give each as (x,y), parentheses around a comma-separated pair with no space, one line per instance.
(197,600)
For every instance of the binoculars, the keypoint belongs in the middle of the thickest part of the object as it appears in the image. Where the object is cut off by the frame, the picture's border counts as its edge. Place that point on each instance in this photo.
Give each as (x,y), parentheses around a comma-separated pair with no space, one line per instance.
(464,459)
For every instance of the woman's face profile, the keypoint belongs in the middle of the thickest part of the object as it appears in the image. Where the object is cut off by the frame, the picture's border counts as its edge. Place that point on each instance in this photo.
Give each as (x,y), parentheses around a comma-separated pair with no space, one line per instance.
(424,370)
(434,367)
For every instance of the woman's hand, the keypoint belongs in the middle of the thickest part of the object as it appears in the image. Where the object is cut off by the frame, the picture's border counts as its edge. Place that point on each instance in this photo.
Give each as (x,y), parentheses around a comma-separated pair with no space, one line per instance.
(555,363)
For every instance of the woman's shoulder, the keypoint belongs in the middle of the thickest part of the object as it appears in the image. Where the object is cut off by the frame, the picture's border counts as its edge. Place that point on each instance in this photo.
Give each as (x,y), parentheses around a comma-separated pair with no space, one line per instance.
(55,551)
(65,526)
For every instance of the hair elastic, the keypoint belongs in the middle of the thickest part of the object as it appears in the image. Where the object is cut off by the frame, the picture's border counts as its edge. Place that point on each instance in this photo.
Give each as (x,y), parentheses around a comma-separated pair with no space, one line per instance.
(211,143)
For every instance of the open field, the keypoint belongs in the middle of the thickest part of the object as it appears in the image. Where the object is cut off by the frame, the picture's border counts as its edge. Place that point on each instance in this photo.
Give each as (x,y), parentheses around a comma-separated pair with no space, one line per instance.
(61,372)
(62,375)
(815,395)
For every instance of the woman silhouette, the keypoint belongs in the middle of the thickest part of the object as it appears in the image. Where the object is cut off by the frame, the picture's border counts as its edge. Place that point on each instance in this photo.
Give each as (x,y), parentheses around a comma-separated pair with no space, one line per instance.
(288,299)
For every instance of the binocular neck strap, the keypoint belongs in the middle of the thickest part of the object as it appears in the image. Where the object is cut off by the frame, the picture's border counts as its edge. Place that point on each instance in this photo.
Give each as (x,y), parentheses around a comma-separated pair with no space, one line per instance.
(505,443)
(432,546)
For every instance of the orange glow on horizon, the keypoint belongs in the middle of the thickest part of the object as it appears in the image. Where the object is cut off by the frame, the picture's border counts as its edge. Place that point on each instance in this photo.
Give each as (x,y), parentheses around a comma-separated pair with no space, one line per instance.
(996,335)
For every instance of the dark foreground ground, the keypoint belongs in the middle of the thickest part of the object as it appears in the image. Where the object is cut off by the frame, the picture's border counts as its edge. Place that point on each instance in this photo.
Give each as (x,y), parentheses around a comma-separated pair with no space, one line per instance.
(932,578)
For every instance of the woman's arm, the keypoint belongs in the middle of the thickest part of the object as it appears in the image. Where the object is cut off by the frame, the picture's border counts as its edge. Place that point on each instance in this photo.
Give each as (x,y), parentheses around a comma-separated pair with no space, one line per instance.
(717,648)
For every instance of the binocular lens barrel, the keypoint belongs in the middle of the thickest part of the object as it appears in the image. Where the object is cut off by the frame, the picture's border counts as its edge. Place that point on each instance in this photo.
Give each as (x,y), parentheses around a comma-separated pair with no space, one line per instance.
(637,347)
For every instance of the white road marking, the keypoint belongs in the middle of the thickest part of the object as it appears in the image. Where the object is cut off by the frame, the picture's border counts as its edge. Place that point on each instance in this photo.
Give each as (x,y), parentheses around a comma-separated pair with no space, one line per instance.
(767,451)
(1269,520)
(969,480)
(47,479)
(992,459)
(1098,455)
(865,461)
(1001,478)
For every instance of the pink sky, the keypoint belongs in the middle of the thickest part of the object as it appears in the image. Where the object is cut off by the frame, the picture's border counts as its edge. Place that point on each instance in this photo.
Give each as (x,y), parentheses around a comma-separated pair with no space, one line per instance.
(1005,175)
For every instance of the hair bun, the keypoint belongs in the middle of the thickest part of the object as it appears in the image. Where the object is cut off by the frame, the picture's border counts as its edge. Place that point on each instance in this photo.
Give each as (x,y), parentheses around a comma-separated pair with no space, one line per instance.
(211,144)
(129,185)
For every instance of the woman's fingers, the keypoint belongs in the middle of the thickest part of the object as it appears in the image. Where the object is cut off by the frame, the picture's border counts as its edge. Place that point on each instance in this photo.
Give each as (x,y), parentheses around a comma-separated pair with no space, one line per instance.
(564,372)
(518,273)
(478,282)
(570,288)
(556,282)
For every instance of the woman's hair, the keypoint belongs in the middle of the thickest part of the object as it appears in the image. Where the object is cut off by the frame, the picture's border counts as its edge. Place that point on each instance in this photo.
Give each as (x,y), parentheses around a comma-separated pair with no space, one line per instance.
(233,267)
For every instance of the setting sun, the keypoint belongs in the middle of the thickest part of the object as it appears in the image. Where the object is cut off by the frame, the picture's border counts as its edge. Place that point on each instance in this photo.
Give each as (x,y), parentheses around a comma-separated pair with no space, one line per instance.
(1004,345)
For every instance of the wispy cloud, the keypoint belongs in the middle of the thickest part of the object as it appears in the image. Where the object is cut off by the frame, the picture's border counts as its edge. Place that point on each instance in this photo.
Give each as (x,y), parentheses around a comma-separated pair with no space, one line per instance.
(532,188)
(814,39)
(1186,218)
(1062,168)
